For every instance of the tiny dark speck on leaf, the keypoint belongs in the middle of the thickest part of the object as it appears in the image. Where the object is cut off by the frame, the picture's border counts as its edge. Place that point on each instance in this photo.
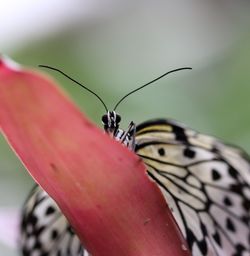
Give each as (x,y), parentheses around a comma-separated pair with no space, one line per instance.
(146,221)
(88,124)
(54,168)
(139,161)
(120,159)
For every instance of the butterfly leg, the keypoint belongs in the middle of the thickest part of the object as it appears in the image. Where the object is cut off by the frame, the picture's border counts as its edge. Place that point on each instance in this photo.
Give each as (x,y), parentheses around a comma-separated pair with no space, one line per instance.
(128,138)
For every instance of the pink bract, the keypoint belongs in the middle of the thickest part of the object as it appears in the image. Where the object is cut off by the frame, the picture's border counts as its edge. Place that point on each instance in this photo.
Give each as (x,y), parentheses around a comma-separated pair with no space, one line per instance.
(100,186)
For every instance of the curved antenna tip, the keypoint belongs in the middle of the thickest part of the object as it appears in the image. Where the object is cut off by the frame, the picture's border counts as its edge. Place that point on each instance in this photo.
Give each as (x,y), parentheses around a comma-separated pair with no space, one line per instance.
(154,80)
(73,80)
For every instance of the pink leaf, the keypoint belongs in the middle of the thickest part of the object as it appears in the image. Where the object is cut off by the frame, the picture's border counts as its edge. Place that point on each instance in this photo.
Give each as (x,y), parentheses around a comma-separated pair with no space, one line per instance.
(99,185)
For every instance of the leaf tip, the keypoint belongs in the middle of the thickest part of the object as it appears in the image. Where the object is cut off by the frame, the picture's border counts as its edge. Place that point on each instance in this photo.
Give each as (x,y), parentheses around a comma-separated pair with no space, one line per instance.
(9,64)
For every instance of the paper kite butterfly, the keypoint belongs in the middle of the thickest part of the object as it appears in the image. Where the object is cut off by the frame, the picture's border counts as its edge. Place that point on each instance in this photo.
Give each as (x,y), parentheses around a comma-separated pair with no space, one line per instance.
(206,184)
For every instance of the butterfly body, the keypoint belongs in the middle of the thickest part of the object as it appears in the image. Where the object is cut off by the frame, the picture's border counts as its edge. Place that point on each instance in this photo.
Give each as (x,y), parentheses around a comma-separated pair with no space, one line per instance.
(205,182)
(111,122)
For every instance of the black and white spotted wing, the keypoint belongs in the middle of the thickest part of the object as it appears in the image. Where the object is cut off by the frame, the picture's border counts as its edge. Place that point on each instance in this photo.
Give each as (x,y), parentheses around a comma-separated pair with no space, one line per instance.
(44,229)
(205,183)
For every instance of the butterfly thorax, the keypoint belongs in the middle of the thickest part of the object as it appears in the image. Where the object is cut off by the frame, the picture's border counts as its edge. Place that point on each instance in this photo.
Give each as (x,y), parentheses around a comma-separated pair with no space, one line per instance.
(111,121)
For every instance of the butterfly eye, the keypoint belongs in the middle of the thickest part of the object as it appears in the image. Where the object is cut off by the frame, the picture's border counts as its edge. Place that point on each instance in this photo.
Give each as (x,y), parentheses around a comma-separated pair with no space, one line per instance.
(118,119)
(105,119)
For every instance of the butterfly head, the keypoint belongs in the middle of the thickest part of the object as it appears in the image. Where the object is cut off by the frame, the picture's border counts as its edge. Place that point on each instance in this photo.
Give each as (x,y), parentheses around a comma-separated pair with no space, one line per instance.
(111,121)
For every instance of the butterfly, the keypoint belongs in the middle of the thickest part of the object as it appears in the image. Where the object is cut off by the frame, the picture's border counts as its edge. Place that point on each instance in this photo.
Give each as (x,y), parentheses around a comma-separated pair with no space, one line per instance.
(206,184)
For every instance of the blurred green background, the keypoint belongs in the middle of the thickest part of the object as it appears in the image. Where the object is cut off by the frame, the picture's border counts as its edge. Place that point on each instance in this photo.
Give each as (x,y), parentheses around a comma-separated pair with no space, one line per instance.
(116,46)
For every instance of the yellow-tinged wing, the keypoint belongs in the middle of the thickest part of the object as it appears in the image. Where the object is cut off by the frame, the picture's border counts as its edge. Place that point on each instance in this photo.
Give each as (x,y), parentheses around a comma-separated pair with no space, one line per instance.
(206,184)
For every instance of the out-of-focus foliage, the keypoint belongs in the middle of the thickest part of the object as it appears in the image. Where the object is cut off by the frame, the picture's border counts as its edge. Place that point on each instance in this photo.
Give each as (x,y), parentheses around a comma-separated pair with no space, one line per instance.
(129,44)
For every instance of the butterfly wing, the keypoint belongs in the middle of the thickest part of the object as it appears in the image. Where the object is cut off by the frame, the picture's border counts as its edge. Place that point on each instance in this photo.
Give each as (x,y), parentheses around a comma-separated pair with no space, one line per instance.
(45,230)
(206,184)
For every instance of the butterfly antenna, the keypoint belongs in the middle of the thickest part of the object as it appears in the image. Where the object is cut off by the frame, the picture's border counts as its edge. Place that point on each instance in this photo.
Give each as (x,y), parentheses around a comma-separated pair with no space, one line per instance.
(86,88)
(154,80)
